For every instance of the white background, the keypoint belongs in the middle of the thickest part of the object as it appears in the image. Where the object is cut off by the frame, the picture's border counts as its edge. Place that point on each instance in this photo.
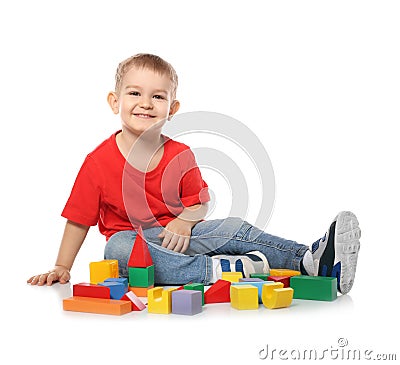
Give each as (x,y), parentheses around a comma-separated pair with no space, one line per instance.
(316,81)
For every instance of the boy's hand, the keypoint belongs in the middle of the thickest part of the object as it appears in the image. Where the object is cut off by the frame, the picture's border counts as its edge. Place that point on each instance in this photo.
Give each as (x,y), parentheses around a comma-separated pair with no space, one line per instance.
(176,235)
(59,273)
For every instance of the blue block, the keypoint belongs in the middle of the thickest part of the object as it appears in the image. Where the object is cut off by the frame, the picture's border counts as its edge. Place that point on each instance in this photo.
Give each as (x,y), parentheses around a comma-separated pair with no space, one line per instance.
(117,290)
(119,280)
(187,302)
(258,284)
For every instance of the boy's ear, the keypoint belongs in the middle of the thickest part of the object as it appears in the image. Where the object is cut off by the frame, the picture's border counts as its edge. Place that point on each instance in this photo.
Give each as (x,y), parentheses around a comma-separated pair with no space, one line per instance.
(173,108)
(113,101)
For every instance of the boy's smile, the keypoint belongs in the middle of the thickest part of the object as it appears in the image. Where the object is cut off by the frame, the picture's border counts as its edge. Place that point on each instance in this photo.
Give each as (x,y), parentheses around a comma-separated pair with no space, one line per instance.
(144,116)
(144,100)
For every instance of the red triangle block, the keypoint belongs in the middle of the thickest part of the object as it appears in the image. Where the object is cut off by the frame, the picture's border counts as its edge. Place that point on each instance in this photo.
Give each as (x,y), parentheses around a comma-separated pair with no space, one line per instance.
(285,280)
(218,292)
(140,255)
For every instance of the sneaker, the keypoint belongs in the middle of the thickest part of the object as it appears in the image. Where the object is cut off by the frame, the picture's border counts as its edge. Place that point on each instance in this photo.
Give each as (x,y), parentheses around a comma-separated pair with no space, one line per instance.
(336,253)
(250,263)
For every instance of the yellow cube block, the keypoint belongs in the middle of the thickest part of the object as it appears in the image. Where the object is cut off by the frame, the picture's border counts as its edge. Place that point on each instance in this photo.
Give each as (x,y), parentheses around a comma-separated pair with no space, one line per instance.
(233,277)
(244,297)
(284,272)
(102,270)
(274,295)
(159,300)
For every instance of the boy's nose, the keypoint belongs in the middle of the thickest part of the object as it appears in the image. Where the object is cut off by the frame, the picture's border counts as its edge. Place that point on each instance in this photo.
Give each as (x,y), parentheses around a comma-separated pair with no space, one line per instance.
(145,103)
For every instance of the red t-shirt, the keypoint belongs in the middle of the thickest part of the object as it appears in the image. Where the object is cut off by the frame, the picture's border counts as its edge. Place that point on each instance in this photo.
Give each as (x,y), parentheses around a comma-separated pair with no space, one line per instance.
(116,196)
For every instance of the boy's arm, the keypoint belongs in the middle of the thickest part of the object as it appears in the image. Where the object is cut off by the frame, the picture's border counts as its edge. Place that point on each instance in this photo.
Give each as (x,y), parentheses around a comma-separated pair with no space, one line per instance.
(176,235)
(194,214)
(74,235)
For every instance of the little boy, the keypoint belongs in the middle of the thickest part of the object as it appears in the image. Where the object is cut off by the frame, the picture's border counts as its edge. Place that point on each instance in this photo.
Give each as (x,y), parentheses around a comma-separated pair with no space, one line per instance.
(141,178)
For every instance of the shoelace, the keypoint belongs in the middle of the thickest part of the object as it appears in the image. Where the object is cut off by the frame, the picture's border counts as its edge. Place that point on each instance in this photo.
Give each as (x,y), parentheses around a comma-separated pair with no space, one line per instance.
(315,245)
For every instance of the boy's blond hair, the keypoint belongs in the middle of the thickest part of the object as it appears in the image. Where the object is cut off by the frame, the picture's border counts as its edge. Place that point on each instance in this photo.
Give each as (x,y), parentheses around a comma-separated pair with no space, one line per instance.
(151,62)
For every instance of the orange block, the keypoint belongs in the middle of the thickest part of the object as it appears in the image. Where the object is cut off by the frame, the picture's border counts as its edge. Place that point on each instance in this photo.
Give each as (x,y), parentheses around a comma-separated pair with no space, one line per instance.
(140,292)
(284,272)
(97,305)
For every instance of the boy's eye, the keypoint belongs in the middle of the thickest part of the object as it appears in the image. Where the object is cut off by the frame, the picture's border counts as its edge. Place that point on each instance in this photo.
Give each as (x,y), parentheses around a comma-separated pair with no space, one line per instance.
(134,93)
(158,97)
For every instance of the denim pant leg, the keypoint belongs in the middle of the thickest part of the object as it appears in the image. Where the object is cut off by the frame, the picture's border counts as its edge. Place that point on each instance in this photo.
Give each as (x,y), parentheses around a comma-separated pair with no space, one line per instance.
(234,236)
(170,268)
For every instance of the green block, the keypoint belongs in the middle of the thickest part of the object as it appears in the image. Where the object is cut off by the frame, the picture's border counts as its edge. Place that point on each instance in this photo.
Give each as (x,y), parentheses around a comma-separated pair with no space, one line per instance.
(196,286)
(142,277)
(260,276)
(314,287)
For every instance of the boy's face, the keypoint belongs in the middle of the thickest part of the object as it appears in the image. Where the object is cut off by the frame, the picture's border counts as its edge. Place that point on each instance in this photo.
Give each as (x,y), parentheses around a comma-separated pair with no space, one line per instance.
(144,100)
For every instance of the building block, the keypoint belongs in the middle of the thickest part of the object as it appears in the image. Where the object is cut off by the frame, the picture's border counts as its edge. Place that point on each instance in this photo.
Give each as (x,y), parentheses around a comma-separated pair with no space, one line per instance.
(187,302)
(101,270)
(90,290)
(196,286)
(140,254)
(219,292)
(274,295)
(251,280)
(117,290)
(136,303)
(140,292)
(285,280)
(314,287)
(159,300)
(232,276)
(141,276)
(96,305)
(284,272)
(119,280)
(244,296)
(257,284)
(260,276)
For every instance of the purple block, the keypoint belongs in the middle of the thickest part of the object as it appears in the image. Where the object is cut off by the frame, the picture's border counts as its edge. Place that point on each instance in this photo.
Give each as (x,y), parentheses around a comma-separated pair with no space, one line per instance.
(250,279)
(187,302)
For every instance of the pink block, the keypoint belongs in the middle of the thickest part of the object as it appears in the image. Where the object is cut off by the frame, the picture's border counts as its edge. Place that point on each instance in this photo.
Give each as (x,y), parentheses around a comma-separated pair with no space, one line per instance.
(137,304)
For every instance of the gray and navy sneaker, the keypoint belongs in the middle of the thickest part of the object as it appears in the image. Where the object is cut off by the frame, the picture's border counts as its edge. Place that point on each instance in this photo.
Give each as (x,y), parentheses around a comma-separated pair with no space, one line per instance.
(336,253)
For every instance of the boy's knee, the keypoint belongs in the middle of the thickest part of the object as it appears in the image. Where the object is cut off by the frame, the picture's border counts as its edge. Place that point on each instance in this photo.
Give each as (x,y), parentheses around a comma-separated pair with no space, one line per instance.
(234,221)
(119,246)
(236,226)
(238,222)
(119,249)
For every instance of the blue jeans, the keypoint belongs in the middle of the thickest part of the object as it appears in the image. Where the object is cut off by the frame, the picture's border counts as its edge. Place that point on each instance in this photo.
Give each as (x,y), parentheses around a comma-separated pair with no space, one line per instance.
(230,236)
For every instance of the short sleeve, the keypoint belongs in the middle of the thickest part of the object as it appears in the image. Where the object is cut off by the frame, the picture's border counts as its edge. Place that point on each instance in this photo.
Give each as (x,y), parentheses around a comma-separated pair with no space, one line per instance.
(83,205)
(193,189)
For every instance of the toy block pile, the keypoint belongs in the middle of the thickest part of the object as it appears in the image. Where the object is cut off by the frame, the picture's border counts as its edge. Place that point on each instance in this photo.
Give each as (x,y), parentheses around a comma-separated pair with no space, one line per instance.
(105,294)
(108,294)
(273,290)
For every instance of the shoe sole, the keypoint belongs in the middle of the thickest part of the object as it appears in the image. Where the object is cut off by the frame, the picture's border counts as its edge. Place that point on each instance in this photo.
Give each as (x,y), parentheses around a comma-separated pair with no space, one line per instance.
(347,246)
